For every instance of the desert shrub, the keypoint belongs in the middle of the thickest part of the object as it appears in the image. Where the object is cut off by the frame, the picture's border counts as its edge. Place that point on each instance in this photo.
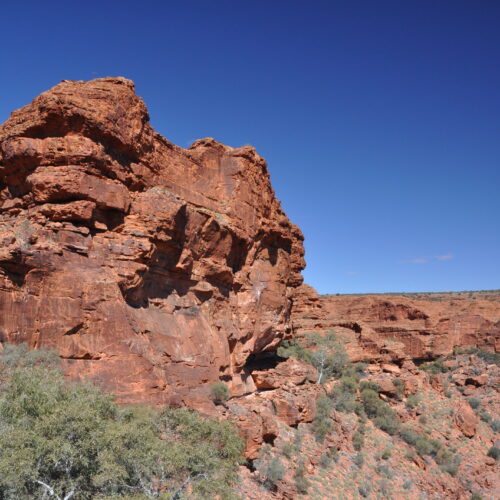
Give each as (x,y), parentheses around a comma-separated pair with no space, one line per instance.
(412,401)
(72,439)
(358,441)
(495,425)
(271,471)
(359,460)
(386,454)
(474,402)
(434,367)
(384,470)
(348,384)
(371,402)
(494,452)
(409,436)
(343,396)
(447,461)
(426,446)
(489,357)
(400,387)
(355,370)
(333,453)
(476,496)
(219,393)
(322,423)
(368,384)
(288,450)
(324,353)
(407,484)
(388,423)
(325,461)
(301,482)
(364,490)
(484,415)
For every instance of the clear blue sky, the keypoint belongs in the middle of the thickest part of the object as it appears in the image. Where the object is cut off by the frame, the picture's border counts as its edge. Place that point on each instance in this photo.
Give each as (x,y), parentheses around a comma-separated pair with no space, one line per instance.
(380,119)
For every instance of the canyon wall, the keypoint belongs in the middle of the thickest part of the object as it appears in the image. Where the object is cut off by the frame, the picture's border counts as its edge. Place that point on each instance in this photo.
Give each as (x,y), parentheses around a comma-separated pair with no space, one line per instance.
(394,328)
(152,269)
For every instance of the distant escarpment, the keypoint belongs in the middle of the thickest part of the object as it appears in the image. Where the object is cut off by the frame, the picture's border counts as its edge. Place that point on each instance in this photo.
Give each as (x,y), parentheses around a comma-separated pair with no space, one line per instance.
(152,269)
(398,327)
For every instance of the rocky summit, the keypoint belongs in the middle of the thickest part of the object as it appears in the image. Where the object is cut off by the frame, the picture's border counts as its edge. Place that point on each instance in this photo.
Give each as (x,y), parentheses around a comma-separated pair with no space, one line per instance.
(172,277)
(153,269)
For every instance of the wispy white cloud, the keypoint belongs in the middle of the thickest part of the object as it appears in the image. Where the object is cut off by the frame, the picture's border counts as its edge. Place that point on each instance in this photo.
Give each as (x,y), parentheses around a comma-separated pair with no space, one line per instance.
(448,256)
(426,259)
(421,260)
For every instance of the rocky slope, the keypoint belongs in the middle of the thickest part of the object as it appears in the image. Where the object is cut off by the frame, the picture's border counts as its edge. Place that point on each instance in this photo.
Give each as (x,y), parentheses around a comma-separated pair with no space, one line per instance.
(152,269)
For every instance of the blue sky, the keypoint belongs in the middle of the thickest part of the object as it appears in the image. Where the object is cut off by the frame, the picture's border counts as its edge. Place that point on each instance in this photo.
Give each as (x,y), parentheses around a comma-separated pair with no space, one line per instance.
(380,120)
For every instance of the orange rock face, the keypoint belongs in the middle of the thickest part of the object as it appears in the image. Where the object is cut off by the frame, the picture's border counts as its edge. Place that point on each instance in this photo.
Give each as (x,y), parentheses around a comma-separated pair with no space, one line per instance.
(400,327)
(152,269)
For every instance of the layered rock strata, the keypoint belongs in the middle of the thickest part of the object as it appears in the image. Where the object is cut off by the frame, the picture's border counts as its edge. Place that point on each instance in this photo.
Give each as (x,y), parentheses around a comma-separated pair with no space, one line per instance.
(152,269)
(394,328)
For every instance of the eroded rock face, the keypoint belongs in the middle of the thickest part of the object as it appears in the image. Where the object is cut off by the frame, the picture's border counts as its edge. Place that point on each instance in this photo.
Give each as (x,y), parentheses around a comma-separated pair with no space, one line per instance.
(397,328)
(153,269)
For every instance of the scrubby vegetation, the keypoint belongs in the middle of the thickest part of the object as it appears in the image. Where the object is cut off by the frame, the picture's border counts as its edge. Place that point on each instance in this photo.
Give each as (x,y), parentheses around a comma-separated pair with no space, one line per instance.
(326,354)
(219,392)
(65,440)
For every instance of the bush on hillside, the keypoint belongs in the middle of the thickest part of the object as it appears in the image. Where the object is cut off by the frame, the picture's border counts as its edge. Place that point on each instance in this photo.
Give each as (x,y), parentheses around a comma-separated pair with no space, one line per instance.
(219,393)
(69,440)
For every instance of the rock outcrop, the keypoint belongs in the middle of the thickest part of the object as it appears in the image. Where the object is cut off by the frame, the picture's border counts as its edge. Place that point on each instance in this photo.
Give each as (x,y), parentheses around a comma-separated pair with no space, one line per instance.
(153,269)
(394,328)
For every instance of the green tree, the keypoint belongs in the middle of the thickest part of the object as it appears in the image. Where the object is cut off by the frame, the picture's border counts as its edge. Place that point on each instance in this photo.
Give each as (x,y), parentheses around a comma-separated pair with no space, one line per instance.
(68,440)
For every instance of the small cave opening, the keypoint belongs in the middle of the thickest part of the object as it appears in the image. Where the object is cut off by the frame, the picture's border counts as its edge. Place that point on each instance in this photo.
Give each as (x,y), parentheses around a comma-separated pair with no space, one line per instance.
(263,361)
(269,438)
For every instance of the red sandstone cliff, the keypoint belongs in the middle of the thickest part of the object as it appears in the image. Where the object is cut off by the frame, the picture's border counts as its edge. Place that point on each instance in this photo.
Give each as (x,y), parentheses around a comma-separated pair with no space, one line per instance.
(153,269)
(398,327)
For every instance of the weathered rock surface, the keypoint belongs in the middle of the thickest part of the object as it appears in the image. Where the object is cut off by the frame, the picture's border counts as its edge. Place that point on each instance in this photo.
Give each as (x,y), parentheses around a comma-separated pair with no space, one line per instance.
(394,328)
(153,269)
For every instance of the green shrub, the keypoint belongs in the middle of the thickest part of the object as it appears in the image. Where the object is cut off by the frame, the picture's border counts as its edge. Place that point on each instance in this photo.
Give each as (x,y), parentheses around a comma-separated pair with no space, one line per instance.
(219,393)
(494,452)
(371,402)
(474,402)
(301,482)
(384,470)
(271,471)
(288,450)
(359,460)
(324,353)
(358,441)
(426,446)
(322,423)
(348,385)
(368,384)
(400,387)
(484,415)
(489,357)
(412,401)
(386,454)
(387,423)
(495,425)
(325,461)
(409,436)
(434,367)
